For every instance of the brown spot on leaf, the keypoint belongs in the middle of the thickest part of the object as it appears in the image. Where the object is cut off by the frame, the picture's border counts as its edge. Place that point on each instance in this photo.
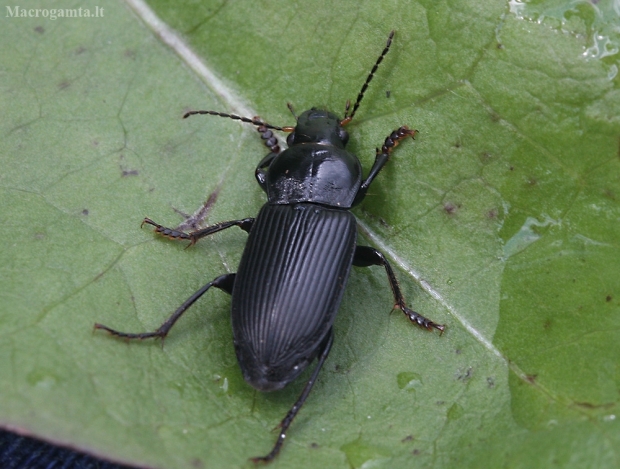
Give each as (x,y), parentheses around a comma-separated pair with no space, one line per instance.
(193,222)
(486,157)
(450,208)
(589,405)
(465,376)
(609,194)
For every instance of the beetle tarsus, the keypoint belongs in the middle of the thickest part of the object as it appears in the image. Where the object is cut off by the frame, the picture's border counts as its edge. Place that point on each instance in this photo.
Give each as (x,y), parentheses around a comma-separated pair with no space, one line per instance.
(382,156)
(193,236)
(130,335)
(169,233)
(420,320)
(269,139)
(366,256)
(395,137)
(223,282)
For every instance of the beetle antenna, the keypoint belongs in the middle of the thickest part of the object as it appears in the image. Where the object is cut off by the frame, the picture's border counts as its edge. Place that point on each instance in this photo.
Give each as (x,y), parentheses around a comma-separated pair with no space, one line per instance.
(349,117)
(290,108)
(254,121)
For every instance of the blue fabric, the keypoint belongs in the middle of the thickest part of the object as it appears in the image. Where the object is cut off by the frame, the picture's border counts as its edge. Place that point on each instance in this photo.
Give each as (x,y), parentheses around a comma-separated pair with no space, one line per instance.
(20,452)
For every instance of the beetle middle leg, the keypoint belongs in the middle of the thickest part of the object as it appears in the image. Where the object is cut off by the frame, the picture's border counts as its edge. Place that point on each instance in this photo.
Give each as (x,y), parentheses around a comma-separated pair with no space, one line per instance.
(366,256)
(325,347)
(223,282)
(194,236)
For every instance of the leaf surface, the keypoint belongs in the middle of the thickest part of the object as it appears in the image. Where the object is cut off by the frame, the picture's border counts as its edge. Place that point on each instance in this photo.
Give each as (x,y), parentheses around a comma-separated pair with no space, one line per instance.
(501,220)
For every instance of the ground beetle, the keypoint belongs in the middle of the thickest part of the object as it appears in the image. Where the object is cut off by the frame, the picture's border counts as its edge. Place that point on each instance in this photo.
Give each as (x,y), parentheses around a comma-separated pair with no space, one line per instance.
(300,249)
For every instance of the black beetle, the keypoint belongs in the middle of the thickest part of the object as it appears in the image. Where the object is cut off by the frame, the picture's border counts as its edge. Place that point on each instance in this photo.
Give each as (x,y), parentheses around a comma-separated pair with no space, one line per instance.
(299,253)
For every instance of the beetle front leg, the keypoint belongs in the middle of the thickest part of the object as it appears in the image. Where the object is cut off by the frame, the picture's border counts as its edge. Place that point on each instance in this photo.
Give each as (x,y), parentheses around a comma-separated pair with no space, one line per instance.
(194,236)
(325,347)
(261,170)
(366,256)
(269,138)
(382,157)
(271,142)
(223,282)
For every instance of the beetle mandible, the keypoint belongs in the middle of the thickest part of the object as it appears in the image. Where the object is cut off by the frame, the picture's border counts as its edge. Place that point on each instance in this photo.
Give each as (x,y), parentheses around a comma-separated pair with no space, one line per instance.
(300,249)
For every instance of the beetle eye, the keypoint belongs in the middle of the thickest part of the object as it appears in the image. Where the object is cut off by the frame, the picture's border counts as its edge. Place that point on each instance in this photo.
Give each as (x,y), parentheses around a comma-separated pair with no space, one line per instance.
(344,136)
(290,138)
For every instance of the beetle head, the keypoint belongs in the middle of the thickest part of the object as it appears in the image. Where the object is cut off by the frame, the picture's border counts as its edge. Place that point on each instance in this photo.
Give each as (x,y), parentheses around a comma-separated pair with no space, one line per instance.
(318,126)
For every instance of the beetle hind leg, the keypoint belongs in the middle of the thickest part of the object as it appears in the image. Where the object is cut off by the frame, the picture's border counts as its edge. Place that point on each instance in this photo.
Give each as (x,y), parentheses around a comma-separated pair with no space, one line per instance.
(366,256)
(223,282)
(324,349)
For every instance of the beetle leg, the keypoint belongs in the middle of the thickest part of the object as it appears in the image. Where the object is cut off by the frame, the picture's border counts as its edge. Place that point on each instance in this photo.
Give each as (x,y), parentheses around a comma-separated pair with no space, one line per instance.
(269,139)
(223,282)
(382,157)
(261,173)
(366,256)
(194,236)
(324,349)
(271,142)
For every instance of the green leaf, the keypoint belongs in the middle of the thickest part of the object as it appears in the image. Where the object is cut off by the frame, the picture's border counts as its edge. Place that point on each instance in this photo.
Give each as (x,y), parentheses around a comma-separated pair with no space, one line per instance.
(501,221)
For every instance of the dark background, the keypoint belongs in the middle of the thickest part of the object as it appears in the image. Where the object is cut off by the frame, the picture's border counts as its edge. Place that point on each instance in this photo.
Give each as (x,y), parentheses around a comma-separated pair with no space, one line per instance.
(20,452)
